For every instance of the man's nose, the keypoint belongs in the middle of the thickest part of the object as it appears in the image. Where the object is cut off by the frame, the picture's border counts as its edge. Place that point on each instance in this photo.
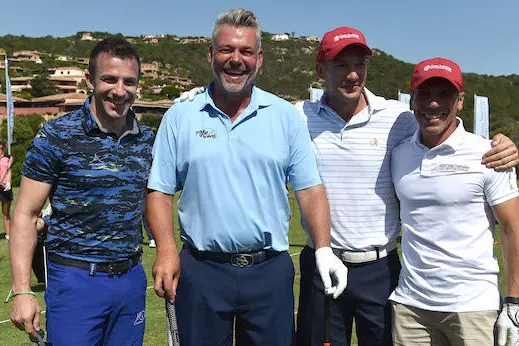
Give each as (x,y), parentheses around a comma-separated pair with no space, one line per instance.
(119,88)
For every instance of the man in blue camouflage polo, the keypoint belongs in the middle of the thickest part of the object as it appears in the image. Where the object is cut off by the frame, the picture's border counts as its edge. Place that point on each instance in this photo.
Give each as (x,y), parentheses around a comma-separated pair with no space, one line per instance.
(93,164)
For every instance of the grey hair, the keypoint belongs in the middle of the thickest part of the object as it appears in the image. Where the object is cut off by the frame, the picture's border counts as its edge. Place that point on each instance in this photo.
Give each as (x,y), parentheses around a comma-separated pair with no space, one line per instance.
(239,18)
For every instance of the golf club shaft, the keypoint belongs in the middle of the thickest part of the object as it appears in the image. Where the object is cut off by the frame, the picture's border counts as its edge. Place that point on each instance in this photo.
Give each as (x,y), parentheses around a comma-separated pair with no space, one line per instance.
(327,318)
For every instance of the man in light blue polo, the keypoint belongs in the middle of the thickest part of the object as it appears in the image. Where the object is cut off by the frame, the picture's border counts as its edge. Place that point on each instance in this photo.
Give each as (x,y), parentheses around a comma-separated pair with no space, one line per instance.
(232,151)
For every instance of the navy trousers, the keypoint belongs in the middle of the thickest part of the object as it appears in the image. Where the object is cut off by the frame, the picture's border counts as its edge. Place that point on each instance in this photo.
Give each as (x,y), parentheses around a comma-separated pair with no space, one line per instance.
(98,309)
(365,300)
(213,297)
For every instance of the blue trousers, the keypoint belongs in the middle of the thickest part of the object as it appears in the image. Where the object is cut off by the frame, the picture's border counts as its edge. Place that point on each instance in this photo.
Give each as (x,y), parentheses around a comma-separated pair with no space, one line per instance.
(365,299)
(88,310)
(213,297)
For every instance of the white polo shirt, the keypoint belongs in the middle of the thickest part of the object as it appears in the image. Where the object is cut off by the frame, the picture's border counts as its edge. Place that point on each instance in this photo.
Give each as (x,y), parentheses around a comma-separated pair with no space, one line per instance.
(445,196)
(353,159)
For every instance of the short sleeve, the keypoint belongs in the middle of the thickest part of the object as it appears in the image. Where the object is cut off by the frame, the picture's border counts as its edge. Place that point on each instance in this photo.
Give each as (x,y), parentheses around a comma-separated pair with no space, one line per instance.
(44,156)
(302,169)
(500,186)
(163,174)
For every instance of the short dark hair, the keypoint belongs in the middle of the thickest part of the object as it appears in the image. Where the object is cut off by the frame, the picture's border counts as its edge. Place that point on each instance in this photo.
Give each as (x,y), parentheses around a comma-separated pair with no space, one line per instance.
(116,46)
(2,143)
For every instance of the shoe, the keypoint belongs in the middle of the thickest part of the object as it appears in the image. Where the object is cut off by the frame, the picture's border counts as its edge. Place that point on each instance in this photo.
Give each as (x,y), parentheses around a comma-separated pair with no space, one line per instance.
(6,237)
(152,243)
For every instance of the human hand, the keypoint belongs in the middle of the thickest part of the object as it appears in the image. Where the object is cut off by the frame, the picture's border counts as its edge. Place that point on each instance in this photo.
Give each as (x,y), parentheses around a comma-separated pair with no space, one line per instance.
(7,187)
(330,266)
(189,95)
(503,154)
(25,313)
(166,271)
(507,325)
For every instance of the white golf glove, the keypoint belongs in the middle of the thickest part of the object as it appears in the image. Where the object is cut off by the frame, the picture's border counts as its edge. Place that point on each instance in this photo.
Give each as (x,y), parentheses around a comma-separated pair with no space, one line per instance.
(189,95)
(7,187)
(508,324)
(330,266)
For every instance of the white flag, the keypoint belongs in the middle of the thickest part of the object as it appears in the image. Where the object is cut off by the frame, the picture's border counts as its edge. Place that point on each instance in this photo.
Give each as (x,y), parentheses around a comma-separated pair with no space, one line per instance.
(316,94)
(481,116)
(10,108)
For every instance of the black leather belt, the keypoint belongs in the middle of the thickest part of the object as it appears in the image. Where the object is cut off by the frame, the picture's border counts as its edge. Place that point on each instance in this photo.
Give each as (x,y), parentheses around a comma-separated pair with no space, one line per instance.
(112,268)
(242,260)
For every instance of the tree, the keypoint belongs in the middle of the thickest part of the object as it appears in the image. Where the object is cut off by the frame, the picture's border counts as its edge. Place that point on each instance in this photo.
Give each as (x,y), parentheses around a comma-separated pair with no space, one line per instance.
(170,92)
(42,86)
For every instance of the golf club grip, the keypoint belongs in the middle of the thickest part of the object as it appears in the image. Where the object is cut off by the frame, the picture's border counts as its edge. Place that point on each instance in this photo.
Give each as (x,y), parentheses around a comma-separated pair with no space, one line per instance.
(171,319)
(327,318)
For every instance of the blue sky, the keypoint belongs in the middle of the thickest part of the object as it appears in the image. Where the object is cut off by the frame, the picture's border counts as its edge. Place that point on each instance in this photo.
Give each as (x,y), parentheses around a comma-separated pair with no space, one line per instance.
(480,36)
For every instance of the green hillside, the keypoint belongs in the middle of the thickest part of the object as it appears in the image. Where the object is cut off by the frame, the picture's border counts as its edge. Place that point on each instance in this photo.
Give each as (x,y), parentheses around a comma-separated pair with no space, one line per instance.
(288,70)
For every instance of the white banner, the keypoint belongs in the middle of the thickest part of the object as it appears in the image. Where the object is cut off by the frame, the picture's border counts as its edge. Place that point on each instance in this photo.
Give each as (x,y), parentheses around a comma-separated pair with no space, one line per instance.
(481,116)
(316,94)
(10,108)
(404,98)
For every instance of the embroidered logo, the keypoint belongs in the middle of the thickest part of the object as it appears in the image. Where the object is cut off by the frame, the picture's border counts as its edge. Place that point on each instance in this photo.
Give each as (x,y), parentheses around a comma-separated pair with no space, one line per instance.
(374,141)
(450,167)
(350,35)
(141,316)
(96,159)
(206,133)
(437,67)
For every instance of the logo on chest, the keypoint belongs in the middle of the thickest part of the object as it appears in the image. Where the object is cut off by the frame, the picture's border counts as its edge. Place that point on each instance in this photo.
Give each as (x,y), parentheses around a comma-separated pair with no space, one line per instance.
(450,167)
(206,133)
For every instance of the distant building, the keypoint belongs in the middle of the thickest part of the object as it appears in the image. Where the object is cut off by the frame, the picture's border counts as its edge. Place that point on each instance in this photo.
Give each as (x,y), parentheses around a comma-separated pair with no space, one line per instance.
(311,39)
(68,79)
(87,36)
(194,40)
(280,37)
(63,58)
(27,55)
(21,83)
(83,61)
(150,70)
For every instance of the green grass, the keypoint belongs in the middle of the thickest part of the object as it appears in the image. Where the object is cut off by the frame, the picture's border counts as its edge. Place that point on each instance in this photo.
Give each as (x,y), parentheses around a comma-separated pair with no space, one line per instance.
(155,315)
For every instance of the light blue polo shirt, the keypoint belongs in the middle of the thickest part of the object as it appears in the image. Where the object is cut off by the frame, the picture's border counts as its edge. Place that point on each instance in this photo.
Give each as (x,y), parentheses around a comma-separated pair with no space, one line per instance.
(233,176)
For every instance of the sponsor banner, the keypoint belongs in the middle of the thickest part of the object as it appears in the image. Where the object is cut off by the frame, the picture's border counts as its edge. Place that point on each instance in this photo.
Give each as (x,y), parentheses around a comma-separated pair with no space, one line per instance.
(316,94)
(404,98)
(481,116)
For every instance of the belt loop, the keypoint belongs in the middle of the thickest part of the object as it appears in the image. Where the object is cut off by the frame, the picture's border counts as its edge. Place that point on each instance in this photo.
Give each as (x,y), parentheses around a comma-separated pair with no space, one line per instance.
(92,269)
(378,252)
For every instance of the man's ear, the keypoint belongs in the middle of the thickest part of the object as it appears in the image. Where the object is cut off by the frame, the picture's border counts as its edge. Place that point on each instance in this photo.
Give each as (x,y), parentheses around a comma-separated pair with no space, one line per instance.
(461,98)
(89,80)
(210,54)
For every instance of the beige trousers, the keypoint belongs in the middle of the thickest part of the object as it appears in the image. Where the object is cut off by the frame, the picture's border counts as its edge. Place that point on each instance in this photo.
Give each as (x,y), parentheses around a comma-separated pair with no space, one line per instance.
(413,326)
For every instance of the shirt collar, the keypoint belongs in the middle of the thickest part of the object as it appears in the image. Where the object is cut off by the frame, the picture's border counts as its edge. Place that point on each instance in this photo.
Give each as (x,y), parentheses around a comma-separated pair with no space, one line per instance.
(375,103)
(453,141)
(90,125)
(258,100)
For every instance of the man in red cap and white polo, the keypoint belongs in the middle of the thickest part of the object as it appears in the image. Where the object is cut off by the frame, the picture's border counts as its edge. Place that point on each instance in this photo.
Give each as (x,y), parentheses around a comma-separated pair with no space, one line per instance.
(448,291)
(353,133)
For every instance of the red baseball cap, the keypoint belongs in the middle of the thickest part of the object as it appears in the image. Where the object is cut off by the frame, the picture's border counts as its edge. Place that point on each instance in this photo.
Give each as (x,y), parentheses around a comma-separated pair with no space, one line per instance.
(336,40)
(437,67)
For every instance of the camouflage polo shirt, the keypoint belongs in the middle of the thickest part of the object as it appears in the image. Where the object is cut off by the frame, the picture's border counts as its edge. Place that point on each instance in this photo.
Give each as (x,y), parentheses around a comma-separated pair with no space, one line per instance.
(99,183)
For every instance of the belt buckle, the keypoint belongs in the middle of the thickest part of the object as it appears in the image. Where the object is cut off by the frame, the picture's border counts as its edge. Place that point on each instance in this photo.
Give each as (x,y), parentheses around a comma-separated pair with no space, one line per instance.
(242,260)
(116,268)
